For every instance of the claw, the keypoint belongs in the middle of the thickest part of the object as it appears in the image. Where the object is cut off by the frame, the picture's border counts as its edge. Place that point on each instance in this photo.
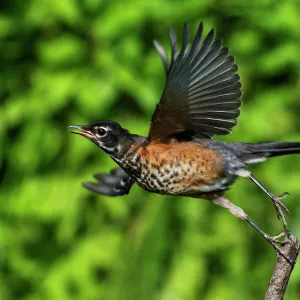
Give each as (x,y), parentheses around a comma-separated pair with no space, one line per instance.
(284,194)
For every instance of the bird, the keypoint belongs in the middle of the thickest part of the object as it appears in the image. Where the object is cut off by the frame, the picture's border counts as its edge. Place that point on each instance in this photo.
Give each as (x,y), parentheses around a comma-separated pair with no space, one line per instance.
(201,98)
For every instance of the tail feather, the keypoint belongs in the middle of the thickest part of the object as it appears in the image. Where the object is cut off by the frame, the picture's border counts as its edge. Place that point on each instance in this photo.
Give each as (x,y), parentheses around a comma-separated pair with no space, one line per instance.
(276,148)
(254,153)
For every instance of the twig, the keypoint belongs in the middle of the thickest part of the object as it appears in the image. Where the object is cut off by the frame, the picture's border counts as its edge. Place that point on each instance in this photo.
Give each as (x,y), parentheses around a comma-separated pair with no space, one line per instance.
(282,271)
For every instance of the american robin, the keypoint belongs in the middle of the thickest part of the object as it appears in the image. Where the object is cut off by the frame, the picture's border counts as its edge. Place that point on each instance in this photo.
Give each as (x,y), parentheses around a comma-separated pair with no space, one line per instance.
(202,97)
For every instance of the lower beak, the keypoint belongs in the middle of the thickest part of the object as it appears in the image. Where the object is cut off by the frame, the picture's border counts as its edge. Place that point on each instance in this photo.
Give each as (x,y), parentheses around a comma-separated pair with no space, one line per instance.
(82,130)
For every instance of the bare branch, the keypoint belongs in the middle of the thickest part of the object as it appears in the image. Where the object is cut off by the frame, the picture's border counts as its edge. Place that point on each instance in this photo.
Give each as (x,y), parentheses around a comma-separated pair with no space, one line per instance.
(282,271)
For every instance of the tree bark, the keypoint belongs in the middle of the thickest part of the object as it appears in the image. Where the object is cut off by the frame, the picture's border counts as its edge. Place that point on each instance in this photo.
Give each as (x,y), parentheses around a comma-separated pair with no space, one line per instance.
(283,269)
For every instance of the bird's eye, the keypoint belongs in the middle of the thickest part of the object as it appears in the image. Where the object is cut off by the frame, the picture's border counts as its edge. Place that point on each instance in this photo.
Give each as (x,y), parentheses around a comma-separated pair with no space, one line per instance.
(101,131)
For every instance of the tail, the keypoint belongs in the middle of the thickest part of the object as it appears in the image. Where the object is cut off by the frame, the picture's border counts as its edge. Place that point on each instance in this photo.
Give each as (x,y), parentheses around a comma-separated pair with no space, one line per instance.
(255,153)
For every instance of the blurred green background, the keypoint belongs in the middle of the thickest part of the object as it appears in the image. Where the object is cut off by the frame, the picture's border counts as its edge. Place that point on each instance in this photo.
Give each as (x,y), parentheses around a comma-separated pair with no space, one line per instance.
(65,62)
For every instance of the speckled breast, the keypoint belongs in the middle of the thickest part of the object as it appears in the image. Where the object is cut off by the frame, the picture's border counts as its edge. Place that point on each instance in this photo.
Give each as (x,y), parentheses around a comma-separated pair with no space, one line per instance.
(181,169)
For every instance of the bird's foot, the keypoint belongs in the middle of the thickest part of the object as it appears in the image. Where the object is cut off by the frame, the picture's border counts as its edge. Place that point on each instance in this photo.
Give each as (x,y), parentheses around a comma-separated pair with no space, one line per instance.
(278,199)
(279,206)
(273,240)
(278,236)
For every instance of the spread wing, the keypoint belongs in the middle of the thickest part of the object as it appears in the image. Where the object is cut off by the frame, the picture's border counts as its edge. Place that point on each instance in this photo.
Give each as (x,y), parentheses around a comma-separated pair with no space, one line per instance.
(117,183)
(202,95)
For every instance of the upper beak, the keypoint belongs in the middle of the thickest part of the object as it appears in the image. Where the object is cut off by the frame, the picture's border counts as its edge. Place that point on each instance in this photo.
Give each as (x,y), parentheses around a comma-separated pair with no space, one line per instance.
(82,130)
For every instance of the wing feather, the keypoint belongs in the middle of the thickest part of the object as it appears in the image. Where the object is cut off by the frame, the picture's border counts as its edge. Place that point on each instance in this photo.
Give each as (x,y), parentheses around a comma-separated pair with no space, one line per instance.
(202,95)
(163,55)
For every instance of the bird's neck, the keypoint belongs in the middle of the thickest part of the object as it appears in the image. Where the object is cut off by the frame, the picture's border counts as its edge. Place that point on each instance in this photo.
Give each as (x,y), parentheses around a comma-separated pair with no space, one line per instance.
(126,149)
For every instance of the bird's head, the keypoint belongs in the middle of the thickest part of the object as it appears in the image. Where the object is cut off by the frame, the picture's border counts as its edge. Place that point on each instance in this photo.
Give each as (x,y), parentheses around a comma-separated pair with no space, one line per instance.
(108,135)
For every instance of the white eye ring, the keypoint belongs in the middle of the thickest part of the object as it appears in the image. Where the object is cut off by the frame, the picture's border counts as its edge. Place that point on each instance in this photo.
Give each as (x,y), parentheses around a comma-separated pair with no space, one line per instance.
(101,131)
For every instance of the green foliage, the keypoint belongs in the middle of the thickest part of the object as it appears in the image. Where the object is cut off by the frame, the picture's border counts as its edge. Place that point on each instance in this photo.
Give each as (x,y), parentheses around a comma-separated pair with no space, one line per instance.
(69,62)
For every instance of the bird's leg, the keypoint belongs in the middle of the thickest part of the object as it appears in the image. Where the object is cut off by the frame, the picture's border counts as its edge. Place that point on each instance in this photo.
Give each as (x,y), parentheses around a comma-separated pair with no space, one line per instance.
(277,202)
(239,213)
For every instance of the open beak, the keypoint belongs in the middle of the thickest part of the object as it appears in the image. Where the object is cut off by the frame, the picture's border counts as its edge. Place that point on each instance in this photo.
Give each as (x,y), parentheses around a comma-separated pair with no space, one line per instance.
(82,130)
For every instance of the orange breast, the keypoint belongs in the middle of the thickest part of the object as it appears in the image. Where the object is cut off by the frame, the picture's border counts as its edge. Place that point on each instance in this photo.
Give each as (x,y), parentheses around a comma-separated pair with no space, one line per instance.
(191,166)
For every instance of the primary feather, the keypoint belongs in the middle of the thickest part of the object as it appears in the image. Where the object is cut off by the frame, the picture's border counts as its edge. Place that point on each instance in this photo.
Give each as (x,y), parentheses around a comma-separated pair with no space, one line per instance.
(202,95)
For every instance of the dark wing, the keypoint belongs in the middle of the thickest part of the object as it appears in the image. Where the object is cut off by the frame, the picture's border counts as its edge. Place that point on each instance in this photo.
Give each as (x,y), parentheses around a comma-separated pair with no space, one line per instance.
(202,95)
(117,183)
